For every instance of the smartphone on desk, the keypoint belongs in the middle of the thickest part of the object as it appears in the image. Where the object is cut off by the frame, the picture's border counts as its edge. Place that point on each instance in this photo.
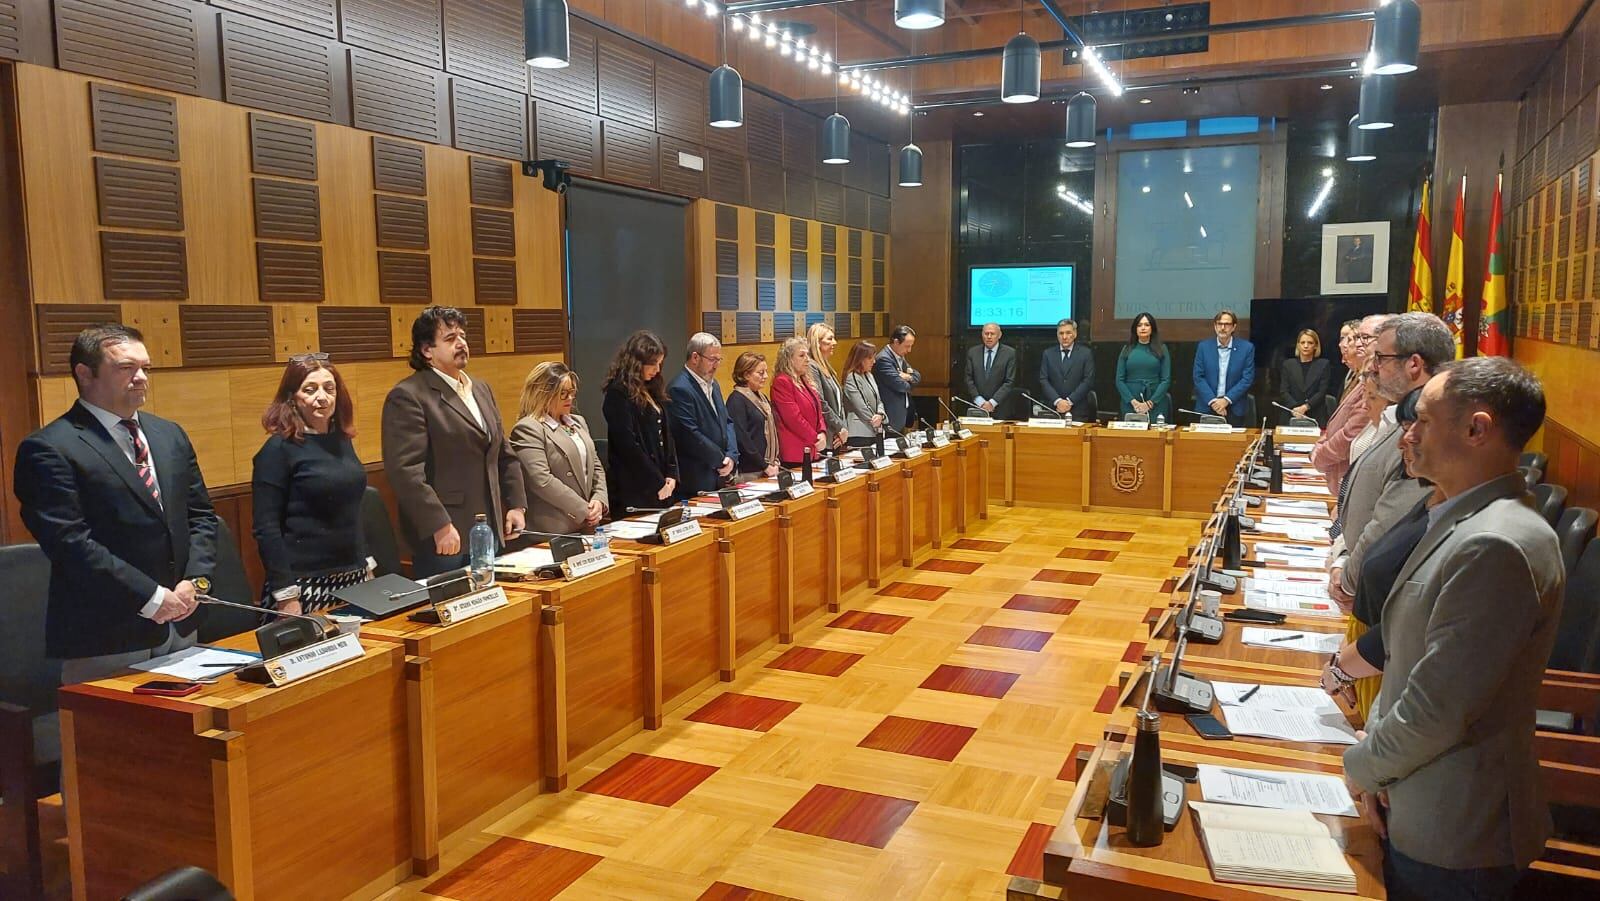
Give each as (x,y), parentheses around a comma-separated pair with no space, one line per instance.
(167,688)
(1208,727)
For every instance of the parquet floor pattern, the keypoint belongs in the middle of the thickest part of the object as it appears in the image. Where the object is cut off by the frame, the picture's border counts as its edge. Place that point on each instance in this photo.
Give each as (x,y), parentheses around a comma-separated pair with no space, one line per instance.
(916,745)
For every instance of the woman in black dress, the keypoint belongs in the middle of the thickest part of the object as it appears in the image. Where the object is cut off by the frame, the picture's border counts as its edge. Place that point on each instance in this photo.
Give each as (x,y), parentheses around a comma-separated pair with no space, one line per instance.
(307,483)
(1303,379)
(643,463)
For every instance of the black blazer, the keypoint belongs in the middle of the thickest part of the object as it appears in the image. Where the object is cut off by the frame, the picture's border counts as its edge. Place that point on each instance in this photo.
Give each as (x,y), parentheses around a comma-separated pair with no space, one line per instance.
(1072,380)
(750,428)
(1296,388)
(639,451)
(1001,382)
(108,541)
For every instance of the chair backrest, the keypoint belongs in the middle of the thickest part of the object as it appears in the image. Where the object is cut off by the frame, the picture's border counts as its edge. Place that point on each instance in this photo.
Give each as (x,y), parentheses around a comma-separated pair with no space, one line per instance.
(1304,422)
(1534,458)
(182,884)
(229,583)
(1136,417)
(1093,401)
(1574,531)
(1578,637)
(1550,500)
(379,532)
(1330,403)
(1533,474)
(27,677)
(1248,409)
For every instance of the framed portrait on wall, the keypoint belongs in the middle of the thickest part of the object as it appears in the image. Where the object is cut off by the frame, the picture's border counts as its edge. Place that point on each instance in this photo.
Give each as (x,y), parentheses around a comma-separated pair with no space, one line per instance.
(1355,258)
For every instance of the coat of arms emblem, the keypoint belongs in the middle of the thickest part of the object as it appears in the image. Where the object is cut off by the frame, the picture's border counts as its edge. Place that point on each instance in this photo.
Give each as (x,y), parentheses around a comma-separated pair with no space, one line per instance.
(1127,473)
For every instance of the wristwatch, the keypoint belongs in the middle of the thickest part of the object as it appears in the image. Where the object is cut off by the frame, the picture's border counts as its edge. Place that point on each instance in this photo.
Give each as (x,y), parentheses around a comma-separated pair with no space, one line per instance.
(202,584)
(1337,671)
(285,595)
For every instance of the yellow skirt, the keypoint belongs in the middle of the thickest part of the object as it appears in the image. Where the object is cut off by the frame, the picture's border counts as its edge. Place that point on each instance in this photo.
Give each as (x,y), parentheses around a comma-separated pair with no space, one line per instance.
(1366,689)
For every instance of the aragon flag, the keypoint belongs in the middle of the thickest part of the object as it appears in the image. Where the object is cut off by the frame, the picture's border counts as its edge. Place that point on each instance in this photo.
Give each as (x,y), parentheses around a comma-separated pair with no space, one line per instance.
(1494,311)
(1420,293)
(1454,309)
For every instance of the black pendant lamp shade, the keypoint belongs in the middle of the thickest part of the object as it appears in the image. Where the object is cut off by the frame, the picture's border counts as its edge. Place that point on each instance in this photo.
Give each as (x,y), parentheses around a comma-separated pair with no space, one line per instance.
(1019,70)
(544,34)
(1080,120)
(910,166)
(1396,37)
(1359,143)
(836,140)
(919,14)
(726,97)
(1377,102)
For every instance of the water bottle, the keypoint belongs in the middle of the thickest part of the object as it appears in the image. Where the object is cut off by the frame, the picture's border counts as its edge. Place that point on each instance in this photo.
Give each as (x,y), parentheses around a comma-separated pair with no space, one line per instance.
(1161,420)
(805,465)
(601,541)
(481,545)
(1145,826)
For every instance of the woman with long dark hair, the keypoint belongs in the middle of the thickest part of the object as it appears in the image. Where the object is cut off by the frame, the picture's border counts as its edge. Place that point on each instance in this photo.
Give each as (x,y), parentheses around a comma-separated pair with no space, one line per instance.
(307,484)
(643,462)
(1144,371)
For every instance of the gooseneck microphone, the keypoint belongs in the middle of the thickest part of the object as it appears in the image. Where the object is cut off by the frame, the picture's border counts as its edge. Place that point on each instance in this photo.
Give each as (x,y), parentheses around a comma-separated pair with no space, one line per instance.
(321,624)
(1040,403)
(961,400)
(549,535)
(946,407)
(633,509)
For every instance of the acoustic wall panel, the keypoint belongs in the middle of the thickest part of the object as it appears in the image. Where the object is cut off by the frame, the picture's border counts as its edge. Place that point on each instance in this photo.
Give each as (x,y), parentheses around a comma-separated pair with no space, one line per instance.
(878,213)
(766,229)
(276,68)
(800,150)
(404,277)
(490,182)
(355,333)
(287,210)
(316,16)
(539,331)
(766,186)
(830,201)
(406,29)
(133,123)
(725,178)
(155,43)
(483,40)
(399,167)
(494,233)
(855,208)
(397,98)
(629,155)
(138,195)
(137,266)
(681,100)
(282,147)
(727,222)
(402,222)
(763,124)
(290,273)
(59,325)
(487,119)
(10,30)
(567,134)
(800,195)
(225,335)
(495,281)
(627,79)
(677,179)
(575,86)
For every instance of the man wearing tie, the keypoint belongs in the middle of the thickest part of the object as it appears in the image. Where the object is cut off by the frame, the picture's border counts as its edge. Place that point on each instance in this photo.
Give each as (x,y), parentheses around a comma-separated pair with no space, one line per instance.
(896,378)
(992,372)
(701,429)
(1066,373)
(1224,370)
(445,449)
(116,501)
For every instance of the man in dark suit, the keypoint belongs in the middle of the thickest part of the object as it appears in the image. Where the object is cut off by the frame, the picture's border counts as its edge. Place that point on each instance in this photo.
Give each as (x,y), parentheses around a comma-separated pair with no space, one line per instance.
(1066,373)
(992,373)
(445,449)
(1224,370)
(896,378)
(701,429)
(116,501)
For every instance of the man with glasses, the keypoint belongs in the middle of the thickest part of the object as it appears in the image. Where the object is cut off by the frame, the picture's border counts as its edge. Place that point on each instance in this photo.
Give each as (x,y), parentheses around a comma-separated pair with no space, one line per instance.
(701,429)
(1224,370)
(1331,453)
(445,449)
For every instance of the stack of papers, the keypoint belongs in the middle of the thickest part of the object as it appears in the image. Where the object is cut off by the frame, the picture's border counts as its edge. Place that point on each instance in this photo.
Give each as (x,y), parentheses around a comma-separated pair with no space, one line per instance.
(197,663)
(1288,506)
(1277,789)
(1296,605)
(631,529)
(1283,712)
(1294,531)
(1298,447)
(1307,489)
(1323,643)
(1311,585)
(1289,848)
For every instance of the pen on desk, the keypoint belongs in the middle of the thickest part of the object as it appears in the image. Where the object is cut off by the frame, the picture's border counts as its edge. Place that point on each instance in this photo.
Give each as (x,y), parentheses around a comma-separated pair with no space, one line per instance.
(1257,776)
(1287,638)
(1249,694)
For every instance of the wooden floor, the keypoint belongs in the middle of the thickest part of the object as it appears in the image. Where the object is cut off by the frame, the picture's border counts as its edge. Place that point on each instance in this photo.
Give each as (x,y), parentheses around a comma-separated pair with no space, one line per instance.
(911,746)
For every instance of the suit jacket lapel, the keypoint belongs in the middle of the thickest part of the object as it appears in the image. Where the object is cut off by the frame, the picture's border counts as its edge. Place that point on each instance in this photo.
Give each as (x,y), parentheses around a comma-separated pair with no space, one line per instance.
(1471,503)
(163,450)
(453,400)
(95,435)
(568,448)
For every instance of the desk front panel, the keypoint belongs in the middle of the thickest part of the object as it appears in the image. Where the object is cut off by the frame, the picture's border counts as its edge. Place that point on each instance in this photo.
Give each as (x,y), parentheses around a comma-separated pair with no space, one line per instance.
(1048,466)
(993,477)
(892,487)
(948,485)
(608,655)
(923,484)
(855,535)
(976,485)
(688,585)
(810,537)
(756,582)
(1202,461)
(1128,470)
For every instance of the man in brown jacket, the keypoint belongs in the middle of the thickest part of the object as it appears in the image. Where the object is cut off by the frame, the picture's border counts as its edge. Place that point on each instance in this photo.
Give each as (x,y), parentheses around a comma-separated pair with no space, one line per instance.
(445,450)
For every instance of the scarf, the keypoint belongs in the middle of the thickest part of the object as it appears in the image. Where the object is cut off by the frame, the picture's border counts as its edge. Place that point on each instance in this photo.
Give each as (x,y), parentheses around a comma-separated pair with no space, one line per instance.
(768,423)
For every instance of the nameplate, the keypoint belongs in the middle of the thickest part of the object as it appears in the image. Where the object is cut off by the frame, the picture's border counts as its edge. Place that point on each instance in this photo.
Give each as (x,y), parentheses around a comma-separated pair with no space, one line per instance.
(588,562)
(1038,423)
(912,451)
(877,463)
(469,605)
(963,434)
(1299,431)
(1124,426)
(1220,427)
(977,420)
(745,510)
(799,490)
(677,533)
(941,440)
(313,659)
(844,474)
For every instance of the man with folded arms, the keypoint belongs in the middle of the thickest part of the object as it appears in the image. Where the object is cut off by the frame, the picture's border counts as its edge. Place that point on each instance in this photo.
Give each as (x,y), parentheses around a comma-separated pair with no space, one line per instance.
(1447,767)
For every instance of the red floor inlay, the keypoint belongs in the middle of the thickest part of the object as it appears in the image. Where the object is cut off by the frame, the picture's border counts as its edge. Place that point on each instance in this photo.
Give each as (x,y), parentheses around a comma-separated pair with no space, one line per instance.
(649,780)
(1066,577)
(913,591)
(514,870)
(1038,603)
(743,711)
(862,621)
(1028,862)
(815,661)
(1181,562)
(1169,586)
(1070,771)
(968,680)
(919,738)
(979,544)
(722,891)
(1087,553)
(1015,639)
(1103,535)
(841,814)
(1108,700)
(963,567)
(1134,652)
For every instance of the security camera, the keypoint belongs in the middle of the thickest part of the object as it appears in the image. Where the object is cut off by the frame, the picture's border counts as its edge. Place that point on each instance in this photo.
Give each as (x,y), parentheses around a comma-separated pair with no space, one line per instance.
(556,176)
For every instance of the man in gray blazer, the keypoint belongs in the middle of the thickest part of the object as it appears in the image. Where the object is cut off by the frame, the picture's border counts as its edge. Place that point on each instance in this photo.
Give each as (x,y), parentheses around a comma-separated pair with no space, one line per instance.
(991,374)
(1449,744)
(1378,492)
(1066,373)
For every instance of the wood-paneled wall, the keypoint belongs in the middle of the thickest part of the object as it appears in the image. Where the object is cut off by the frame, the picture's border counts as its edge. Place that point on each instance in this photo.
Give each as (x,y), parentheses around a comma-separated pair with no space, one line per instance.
(923,236)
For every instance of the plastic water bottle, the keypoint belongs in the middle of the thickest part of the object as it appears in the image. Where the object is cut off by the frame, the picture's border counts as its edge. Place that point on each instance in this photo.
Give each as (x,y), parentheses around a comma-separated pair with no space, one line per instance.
(1161,420)
(481,559)
(601,541)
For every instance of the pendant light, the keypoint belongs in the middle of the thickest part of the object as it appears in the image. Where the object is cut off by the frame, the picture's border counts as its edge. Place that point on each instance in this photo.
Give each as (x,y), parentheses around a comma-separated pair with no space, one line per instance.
(1359,143)
(1019,67)
(1377,102)
(1396,37)
(918,14)
(836,128)
(725,96)
(544,34)
(1080,120)
(910,166)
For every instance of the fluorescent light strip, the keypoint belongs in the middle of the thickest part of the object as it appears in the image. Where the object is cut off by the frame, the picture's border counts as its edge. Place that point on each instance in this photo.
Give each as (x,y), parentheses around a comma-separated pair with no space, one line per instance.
(1098,65)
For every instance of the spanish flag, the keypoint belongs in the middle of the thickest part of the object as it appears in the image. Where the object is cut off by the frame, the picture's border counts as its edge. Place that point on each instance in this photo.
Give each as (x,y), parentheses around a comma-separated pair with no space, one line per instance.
(1453,307)
(1493,312)
(1420,293)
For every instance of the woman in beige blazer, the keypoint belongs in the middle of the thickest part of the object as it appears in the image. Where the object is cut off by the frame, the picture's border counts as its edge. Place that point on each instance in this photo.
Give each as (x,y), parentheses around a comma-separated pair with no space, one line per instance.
(565,482)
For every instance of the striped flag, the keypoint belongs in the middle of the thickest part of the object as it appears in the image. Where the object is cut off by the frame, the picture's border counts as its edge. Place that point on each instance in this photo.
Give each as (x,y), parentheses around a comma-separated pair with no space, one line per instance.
(1494,310)
(1420,293)
(1453,306)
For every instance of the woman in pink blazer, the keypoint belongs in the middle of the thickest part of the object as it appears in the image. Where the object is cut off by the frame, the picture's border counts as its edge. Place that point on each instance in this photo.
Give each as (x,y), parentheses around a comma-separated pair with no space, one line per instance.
(796,405)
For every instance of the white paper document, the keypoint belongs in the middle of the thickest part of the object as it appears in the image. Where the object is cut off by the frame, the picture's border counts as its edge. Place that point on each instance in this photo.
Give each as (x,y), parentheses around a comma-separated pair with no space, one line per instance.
(1309,531)
(631,529)
(1278,789)
(1291,549)
(1323,643)
(1296,561)
(1308,489)
(1294,521)
(1307,588)
(1273,697)
(1298,447)
(1260,846)
(1295,507)
(1324,727)
(1277,579)
(1292,604)
(199,662)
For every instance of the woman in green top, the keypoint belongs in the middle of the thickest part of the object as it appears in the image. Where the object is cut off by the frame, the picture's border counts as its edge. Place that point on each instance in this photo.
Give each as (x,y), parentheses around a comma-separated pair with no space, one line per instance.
(1144,371)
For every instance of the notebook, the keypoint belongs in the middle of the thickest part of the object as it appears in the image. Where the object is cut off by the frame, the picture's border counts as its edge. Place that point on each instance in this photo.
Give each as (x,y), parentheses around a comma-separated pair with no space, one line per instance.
(1258,846)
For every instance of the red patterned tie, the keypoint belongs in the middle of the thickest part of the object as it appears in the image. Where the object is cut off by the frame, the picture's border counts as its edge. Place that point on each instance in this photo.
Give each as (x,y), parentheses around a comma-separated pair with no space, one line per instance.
(141,460)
